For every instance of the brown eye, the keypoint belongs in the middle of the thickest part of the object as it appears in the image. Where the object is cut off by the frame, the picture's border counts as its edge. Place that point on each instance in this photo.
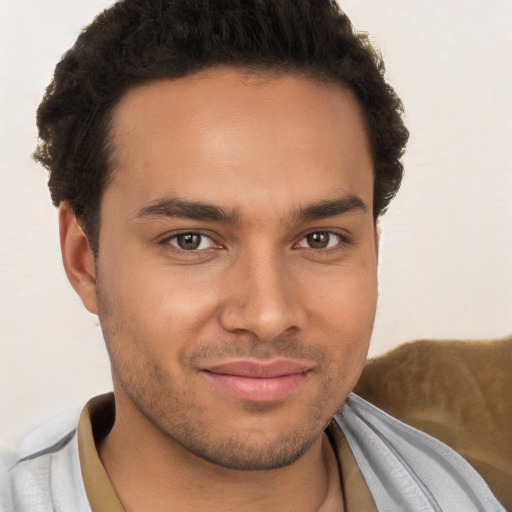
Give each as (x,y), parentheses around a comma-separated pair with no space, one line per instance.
(191,241)
(320,240)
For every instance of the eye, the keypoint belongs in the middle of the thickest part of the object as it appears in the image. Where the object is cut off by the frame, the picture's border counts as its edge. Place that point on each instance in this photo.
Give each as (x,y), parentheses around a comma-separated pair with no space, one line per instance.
(320,240)
(191,241)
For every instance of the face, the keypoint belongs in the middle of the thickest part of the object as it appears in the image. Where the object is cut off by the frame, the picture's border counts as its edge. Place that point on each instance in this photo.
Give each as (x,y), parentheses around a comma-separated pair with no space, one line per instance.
(236,275)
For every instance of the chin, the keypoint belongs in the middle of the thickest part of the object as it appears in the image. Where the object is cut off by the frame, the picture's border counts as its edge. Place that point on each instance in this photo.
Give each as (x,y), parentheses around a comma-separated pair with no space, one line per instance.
(242,453)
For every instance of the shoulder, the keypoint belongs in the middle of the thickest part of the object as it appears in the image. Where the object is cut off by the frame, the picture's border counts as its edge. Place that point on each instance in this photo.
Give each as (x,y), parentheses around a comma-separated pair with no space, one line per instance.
(7,459)
(404,467)
(456,391)
(49,479)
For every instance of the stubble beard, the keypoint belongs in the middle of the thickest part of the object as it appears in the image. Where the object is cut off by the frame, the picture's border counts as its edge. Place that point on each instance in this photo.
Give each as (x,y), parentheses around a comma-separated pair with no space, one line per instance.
(180,415)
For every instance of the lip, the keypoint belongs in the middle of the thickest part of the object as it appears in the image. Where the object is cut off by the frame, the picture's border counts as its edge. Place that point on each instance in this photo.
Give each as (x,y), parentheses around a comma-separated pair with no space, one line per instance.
(257,380)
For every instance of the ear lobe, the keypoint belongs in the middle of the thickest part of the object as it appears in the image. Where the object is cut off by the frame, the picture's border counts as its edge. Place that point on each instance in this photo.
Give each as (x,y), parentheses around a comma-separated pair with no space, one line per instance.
(77,257)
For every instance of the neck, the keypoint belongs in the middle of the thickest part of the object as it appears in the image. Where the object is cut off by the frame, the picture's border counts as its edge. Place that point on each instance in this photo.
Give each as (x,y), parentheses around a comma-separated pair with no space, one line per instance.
(150,471)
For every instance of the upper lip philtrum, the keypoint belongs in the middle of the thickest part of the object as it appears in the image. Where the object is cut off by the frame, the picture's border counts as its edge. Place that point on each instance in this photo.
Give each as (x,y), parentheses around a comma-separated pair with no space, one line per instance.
(258,369)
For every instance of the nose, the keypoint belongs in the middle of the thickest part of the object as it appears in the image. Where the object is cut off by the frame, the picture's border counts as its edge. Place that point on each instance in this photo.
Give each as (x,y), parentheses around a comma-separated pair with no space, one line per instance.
(262,298)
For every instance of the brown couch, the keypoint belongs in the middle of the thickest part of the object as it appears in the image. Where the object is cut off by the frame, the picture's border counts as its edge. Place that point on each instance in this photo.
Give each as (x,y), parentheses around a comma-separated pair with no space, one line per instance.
(457,391)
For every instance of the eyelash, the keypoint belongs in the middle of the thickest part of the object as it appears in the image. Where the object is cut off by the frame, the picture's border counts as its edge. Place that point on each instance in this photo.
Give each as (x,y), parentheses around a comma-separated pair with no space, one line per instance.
(167,240)
(344,240)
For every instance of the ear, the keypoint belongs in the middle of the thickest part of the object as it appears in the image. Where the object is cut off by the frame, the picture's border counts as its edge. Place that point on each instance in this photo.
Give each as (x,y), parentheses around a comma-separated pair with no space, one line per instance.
(77,257)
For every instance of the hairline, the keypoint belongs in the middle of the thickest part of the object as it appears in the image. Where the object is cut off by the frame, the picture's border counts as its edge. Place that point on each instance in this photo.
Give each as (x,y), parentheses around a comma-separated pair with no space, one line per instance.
(250,70)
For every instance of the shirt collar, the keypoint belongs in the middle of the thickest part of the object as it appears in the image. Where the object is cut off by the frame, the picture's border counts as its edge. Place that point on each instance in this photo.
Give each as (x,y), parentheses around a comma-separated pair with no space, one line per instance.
(97,419)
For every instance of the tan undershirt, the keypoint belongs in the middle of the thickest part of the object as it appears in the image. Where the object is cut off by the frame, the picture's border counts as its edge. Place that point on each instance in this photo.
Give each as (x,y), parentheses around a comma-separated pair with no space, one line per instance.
(97,419)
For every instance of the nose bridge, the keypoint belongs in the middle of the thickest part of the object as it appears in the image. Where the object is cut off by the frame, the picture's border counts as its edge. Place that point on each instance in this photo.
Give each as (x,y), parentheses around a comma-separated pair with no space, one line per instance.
(264,298)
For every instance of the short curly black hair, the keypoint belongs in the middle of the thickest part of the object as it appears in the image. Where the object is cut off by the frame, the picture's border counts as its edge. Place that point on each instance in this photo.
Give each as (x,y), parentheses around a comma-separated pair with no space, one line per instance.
(136,41)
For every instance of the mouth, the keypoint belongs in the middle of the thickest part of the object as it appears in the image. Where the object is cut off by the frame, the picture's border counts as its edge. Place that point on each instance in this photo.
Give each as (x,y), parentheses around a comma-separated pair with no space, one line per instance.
(257,380)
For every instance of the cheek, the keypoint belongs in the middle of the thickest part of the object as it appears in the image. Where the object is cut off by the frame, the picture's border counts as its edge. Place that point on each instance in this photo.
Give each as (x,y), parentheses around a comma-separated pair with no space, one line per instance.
(345,312)
(345,298)
(158,304)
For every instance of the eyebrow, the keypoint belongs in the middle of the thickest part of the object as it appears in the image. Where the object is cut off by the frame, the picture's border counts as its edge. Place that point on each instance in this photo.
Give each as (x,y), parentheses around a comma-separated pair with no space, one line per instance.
(174,207)
(330,208)
(195,210)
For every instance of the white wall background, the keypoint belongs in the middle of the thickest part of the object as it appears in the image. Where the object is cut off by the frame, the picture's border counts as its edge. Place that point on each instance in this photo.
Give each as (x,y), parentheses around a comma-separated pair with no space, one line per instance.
(446,252)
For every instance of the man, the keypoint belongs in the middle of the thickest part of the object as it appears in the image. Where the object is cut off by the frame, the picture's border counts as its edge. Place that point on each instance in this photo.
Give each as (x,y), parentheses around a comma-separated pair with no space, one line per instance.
(219,168)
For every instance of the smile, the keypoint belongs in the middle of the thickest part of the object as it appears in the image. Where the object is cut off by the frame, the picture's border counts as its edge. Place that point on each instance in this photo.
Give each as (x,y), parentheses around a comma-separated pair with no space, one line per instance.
(257,381)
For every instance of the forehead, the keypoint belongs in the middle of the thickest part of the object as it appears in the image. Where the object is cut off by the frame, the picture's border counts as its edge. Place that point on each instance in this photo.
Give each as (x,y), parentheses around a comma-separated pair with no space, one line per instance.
(224,135)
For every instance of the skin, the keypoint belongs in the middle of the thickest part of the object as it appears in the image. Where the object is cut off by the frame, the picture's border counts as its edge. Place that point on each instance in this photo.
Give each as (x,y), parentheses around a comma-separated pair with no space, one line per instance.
(269,151)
